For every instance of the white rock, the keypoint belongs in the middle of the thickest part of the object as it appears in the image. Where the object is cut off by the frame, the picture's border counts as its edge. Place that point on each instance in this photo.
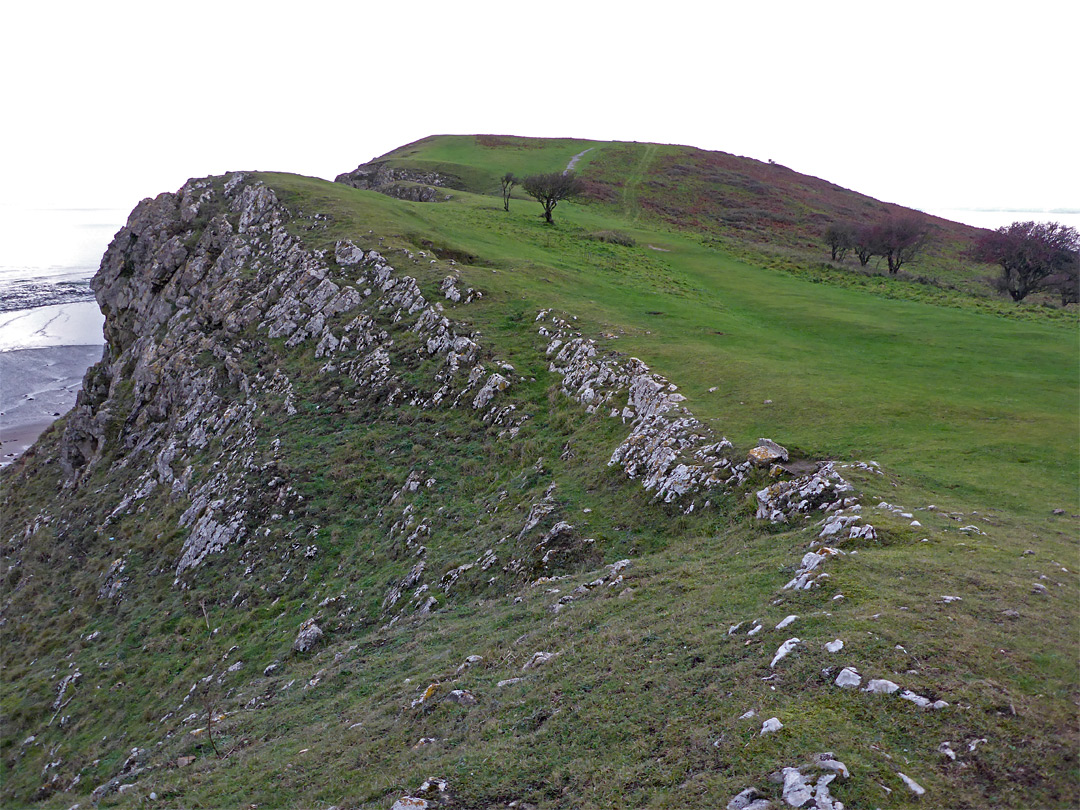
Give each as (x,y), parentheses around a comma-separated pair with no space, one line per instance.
(796,791)
(946,749)
(915,787)
(848,678)
(786,622)
(770,725)
(784,649)
(880,686)
(748,800)
(754,631)
(747,715)
(538,659)
(918,700)
(835,646)
(411,803)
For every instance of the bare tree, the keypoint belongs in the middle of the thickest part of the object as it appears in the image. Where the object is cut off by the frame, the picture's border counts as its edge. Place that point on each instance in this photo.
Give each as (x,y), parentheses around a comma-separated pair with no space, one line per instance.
(864,241)
(508,183)
(840,237)
(550,189)
(900,240)
(1029,253)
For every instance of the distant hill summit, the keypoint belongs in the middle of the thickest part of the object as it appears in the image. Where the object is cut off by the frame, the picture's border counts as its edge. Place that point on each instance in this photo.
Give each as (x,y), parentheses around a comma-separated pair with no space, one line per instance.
(385,496)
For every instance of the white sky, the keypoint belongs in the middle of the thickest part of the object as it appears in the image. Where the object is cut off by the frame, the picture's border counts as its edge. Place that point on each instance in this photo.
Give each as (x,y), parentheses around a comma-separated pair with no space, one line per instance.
(928,104)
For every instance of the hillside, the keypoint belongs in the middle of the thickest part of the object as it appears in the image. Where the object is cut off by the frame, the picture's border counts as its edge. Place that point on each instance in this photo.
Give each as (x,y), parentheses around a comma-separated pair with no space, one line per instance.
(391,495)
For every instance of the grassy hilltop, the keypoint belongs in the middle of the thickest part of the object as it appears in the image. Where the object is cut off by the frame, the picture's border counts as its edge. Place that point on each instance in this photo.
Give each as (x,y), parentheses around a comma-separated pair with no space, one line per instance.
(967,404)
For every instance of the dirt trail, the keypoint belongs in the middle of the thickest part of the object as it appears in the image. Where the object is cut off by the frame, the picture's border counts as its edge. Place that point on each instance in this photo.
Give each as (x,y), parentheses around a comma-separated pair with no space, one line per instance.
(573,161)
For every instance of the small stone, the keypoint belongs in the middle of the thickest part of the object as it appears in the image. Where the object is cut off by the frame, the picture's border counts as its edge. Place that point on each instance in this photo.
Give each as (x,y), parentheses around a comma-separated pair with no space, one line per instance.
(411,803)
(946,749)
(848,678)
(1011,614)
(508,682)
(1039,588)
(538,659)
(880,686)
(786,622)
(462,697)
(914,786)
(770,725)
(747,715)
(183,762)
(834,646)
(783,650)
(747,800)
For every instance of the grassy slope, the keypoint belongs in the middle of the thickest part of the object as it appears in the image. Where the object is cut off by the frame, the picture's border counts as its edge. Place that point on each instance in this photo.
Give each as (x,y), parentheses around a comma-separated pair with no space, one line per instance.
(971,411)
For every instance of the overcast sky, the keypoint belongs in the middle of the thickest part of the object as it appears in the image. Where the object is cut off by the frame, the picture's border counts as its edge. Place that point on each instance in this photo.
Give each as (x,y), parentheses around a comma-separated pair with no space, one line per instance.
(928,104)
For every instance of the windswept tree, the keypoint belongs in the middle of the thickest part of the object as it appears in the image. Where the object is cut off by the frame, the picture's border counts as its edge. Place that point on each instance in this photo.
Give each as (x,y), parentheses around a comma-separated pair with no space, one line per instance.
(900,240)
(864,241)
(550,189)
(1029,254)
(508,183)
(840,237)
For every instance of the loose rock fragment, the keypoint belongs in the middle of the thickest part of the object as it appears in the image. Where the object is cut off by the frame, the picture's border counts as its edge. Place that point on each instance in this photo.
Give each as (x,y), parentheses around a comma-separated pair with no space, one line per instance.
(770,725)
(914,786)
(848,678)
(538,659)
(834,646)
(308,637)
(786,622)
(880,686)
(784,649)
(463,697)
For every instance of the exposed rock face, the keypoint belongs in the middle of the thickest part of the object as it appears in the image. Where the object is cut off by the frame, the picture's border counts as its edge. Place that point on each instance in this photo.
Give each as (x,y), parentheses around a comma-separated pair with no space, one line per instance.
(672,452)
(193,283)
(405,184)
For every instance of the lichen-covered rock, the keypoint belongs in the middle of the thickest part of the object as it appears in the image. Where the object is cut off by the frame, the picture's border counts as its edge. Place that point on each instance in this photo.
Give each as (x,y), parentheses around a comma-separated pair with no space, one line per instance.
(308,636)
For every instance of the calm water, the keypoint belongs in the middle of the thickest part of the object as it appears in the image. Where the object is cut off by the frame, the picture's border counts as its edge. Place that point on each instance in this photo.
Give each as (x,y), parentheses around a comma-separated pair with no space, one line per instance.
(996,219)
(49,255)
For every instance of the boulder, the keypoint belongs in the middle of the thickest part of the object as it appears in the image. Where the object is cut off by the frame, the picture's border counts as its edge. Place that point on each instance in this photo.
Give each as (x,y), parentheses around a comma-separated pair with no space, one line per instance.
(766,453)
(308,637)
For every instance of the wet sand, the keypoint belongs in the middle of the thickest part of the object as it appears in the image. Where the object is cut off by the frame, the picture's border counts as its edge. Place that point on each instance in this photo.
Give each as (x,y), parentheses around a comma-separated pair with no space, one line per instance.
(37,386)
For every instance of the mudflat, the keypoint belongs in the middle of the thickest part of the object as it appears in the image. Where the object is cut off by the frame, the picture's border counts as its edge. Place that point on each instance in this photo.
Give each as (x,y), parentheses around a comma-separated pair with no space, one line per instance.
(36,387)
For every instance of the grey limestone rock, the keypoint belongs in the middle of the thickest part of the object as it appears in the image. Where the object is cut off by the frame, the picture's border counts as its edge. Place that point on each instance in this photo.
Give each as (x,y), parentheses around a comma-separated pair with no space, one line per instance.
(848,678)
(308,637)
(880,686)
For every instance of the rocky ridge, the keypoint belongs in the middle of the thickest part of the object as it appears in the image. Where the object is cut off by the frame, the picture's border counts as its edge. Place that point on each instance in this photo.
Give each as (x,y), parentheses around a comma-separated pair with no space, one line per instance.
(196,286)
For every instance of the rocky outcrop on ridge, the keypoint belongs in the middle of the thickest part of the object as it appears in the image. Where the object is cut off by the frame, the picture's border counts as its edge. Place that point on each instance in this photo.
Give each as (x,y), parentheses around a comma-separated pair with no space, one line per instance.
(405,184)
(194,284)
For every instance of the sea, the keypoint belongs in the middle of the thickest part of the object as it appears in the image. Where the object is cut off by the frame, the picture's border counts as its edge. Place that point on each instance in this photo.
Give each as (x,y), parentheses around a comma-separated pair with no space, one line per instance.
(51,327)
(50,324)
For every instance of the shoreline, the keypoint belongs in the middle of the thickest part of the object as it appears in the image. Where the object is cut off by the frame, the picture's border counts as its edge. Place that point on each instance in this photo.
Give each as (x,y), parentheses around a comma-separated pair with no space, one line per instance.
(38,386)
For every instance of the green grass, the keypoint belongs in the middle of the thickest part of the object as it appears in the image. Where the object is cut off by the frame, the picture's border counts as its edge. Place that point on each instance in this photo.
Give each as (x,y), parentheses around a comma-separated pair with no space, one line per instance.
(964,407)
